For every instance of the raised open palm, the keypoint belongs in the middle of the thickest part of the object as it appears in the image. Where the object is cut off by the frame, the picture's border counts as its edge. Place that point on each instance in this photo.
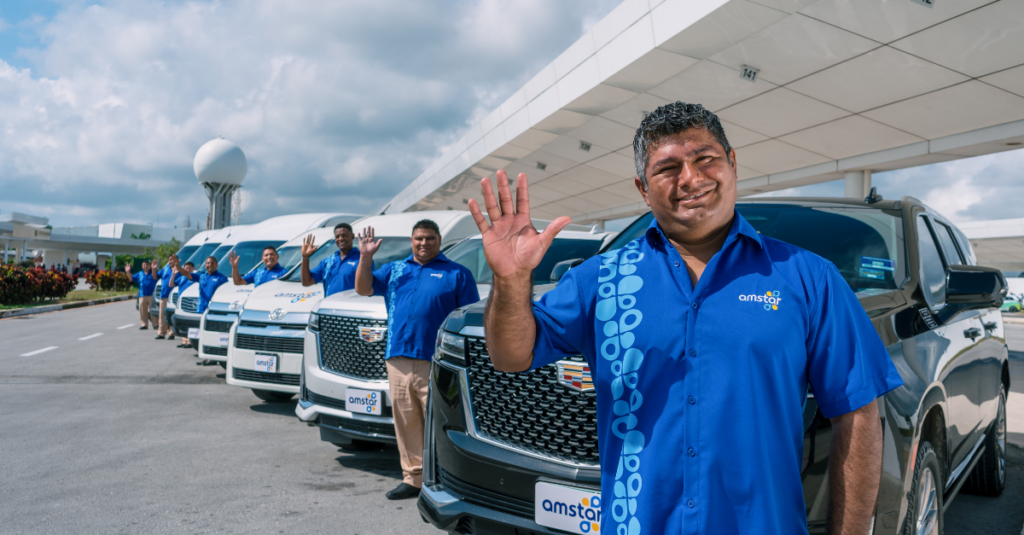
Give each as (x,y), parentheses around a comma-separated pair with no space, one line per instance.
(308,246)
(511,244)
(367,242)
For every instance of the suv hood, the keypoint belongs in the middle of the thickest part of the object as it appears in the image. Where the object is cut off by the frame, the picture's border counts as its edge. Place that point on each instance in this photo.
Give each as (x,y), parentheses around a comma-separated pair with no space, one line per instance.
(290,296)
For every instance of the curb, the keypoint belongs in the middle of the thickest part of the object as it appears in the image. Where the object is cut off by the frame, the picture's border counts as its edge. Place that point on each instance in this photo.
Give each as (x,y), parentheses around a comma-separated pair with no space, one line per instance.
(56,308)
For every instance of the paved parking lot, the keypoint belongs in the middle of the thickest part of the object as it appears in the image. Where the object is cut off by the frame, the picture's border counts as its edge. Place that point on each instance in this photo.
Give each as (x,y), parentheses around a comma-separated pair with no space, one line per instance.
(105,430)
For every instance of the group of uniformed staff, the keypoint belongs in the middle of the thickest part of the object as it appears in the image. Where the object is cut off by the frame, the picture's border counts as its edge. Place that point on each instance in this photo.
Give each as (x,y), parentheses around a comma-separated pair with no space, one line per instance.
(419,292)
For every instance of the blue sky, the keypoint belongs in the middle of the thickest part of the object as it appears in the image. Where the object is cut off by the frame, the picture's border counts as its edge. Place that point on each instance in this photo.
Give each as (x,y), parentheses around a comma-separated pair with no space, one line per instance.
(338,105)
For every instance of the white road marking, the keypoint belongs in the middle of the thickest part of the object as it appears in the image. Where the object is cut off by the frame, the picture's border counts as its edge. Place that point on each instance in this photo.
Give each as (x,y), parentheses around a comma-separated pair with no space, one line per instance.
(38,351)
(126,326)
(91,336)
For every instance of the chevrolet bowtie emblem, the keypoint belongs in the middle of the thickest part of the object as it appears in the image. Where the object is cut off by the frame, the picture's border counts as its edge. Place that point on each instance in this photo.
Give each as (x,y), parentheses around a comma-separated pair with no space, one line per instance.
(575,375)
(372,334)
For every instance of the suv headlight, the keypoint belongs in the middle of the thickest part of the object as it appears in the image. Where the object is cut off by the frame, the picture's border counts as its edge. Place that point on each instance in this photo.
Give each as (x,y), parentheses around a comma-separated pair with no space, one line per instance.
(452,348)
(314,321)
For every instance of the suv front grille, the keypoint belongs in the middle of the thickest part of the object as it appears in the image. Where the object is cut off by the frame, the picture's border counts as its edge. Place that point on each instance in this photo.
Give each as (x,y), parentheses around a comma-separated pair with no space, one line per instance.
(269,343)
(190,304)
(291,379)
(343,351)
(379,429)
(532,411)
(481,496)
(215,351)
(217,326)
(264,325)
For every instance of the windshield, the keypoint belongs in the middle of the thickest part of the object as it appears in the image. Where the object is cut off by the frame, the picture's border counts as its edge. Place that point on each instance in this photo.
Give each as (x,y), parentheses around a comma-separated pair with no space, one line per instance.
(220,254)
(393,248)
(288,257)
(866,244)
(199,257)
(186,252)
(250,254)
(470,253)
(323,252)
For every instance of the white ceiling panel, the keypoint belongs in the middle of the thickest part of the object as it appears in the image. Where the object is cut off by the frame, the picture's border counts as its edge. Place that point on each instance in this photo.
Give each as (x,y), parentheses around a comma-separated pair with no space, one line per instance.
(569,148)
(542,194)
(886,20)
(713,85)
(562,122)
(879,77)
(780,111)
(739,136)
(509,151)
(1011,80)
(724,27)
(634,110)
(789,6)
(849,136)
(625,190)
(604,198)
(744,173)
(614,163)
(533,139)
(600,99)
(976,43)
(493,163)
(577,205)
(774,156)
(793,48)
(946,112)
(606,133)
(589,178)
(552,164)
(650,70)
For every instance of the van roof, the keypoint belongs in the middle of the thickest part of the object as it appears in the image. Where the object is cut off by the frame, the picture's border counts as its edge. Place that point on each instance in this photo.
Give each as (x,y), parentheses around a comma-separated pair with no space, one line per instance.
(320,236)
(285,227)
(401,224)
(199,238)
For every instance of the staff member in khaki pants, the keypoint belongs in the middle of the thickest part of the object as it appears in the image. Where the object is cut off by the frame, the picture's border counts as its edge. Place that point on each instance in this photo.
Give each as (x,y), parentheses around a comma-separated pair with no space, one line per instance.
(420,291)
(146,280)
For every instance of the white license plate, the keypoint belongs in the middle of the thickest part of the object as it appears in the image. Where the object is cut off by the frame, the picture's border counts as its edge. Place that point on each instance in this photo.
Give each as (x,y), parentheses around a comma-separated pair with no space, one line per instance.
(223,339)
(570,509)
(267,362)
(363,401)
(193,333)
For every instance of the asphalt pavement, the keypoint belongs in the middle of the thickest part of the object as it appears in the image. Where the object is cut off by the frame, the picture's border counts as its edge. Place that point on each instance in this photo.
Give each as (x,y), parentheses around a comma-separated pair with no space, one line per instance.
(105,430)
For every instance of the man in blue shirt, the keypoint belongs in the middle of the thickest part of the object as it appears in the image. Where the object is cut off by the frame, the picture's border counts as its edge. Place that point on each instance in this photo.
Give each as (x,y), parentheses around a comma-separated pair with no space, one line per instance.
(419,292)
(338,271)
(165,293)
(703,337)
(208,283)
(270,270)
(146,281)
(180,280)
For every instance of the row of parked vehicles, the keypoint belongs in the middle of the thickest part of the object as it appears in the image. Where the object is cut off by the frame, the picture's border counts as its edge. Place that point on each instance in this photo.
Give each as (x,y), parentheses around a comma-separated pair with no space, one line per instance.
(494,439)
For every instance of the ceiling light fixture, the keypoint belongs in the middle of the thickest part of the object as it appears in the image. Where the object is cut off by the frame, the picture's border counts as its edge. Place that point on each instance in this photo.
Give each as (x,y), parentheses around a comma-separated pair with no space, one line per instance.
(542,166)
(584,146)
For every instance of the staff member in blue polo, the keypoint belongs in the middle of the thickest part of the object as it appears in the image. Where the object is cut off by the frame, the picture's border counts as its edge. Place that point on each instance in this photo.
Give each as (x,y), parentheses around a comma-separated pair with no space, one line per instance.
(699,392)
(208,282)
(338,271)
(419,291)
(165,276)
(179,279)
(270,270)
(146,281)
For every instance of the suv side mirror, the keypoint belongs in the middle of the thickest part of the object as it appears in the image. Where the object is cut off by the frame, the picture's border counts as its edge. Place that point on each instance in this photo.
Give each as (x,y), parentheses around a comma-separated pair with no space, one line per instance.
(972,288)
(565,265)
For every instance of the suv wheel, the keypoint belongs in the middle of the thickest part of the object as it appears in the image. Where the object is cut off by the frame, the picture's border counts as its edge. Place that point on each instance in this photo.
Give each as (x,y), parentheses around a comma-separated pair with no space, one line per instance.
(989,475)
(271,396)
(924,507)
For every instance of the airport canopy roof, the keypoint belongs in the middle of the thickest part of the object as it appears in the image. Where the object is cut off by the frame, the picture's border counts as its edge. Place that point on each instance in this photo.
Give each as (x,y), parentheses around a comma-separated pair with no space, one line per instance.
(840,86)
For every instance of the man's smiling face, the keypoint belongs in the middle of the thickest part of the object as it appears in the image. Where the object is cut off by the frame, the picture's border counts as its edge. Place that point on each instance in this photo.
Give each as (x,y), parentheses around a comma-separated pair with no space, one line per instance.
(691,184)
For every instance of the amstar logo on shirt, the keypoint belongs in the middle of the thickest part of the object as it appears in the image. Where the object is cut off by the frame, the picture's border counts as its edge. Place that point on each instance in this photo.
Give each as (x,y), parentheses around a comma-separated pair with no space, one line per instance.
(770,299)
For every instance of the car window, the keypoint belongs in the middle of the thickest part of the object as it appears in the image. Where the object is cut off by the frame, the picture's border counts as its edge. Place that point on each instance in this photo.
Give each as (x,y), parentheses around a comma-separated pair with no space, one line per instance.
(965,246)
(470,253)
(933,271)
(324,251)
(250,254)
(186,252)
(200,255)
(949,248)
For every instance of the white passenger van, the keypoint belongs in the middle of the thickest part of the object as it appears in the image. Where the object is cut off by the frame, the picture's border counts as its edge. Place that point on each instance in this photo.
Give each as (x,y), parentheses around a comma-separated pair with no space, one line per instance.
(275,320)
(213,336)
(185,317)
(347,335)
(190,247)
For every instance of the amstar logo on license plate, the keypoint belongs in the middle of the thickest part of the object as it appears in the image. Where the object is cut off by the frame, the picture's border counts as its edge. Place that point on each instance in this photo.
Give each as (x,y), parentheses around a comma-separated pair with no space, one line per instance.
(223,339)
(571,509)
(193,333)
(363,401)
(267,362)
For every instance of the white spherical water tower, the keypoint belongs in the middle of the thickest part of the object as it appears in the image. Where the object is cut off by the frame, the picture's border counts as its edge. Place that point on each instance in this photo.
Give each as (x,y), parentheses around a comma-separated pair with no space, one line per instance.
(220,167)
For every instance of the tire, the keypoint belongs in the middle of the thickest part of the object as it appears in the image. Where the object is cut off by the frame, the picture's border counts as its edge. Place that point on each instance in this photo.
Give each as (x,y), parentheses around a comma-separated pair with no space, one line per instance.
(924,501)
(358,445)
(271,396)
(989,476)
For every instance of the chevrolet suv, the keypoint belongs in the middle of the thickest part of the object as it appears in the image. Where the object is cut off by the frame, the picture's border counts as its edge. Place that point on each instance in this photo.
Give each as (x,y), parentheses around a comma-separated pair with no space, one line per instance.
(518,452)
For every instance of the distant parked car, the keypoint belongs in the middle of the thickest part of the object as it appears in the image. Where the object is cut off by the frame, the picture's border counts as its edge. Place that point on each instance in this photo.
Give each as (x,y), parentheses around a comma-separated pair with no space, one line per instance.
(1011,304)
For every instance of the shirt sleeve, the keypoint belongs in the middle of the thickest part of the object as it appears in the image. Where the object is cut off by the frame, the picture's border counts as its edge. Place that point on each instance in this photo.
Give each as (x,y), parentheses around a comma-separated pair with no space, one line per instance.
(250,276)
(848,367)
(318,271)
(380,279)
(561,320)
(468,293)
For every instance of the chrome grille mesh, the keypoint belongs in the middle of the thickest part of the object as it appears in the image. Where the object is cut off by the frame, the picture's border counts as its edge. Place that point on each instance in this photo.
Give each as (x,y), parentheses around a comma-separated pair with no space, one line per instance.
(190,304)
(343,351)
(269,343)
(217,326)
(532,411)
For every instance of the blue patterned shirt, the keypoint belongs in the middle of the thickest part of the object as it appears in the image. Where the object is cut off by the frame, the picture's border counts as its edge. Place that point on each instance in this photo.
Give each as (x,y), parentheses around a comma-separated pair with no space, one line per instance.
(338,274)
(262,275)
(700,388)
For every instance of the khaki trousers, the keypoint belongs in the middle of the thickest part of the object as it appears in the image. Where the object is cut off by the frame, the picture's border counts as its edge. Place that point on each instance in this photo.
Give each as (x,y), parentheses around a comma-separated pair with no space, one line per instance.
(164,327)
(408,379)
(144,309)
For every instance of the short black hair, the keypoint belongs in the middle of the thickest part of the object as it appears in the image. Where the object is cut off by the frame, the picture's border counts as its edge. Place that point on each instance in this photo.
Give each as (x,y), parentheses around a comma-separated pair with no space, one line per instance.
(669,120)
(345,226)
(427,224)
(211,257)
(271,247)
(190,264)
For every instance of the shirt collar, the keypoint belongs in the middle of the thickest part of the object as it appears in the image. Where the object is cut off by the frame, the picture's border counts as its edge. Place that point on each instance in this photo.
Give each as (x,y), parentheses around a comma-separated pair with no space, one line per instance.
(740,227)
(439,258)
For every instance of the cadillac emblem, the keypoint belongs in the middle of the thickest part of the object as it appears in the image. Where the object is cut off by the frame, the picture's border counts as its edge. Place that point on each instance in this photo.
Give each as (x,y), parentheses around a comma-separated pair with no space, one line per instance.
(277,313)
(575,375)
(372,335)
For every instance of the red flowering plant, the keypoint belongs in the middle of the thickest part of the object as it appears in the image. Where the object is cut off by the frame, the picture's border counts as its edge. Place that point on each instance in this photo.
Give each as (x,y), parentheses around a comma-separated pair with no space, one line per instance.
(20,286)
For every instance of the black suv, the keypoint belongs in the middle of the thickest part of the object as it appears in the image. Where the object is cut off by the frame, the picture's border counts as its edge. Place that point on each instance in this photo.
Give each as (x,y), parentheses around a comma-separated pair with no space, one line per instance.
(492,437)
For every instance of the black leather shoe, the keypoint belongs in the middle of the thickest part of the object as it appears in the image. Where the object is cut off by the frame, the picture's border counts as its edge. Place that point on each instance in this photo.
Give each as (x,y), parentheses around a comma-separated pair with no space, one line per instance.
(143,328)
(170,337)
(403,492)
(159,337)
